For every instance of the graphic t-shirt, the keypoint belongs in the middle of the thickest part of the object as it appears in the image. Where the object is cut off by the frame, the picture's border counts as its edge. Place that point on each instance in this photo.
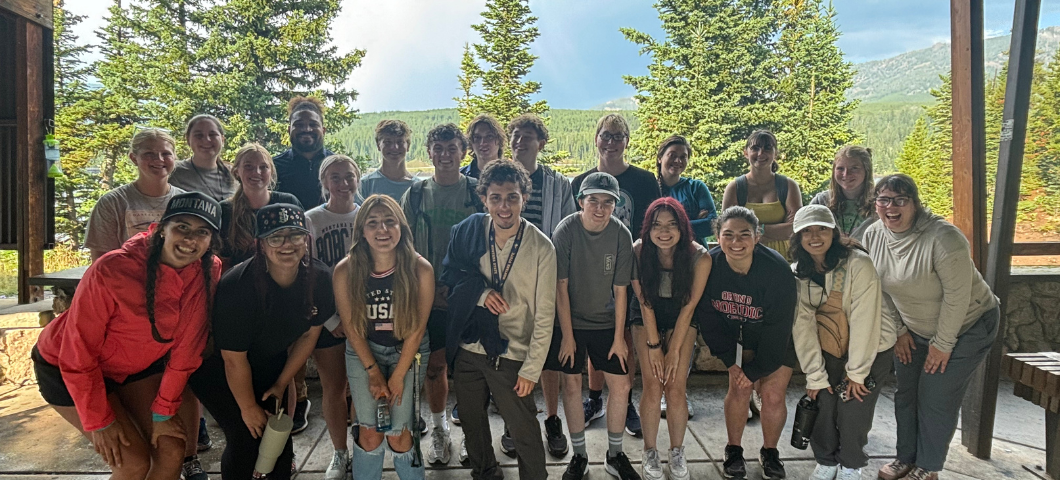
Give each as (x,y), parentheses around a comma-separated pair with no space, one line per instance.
(121,213)
(379,300)
(593,263)
(375,182)
(441,208)
(534,209)
(332,233)
(637,188)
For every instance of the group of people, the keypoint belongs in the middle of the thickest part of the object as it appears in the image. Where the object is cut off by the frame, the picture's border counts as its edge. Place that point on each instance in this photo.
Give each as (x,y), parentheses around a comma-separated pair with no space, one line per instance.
(214,283)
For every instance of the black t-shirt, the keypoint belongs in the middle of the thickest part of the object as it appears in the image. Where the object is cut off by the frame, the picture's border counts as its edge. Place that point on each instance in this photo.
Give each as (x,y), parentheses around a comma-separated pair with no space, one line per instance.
(638,189)
(253,314)
(379,300)
(227,249)
(299,177)
(762,302)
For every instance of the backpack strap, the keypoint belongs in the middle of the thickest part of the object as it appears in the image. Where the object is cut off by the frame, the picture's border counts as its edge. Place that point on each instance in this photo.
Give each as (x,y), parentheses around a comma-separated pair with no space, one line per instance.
(781,184)
(472,195)
(741,190)
(416,199)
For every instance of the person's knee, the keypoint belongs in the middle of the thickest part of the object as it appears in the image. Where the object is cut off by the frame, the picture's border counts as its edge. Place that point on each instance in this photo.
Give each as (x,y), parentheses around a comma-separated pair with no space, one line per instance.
(369,439)
(617,384)
(773,399)
(400,443)
(436,370)
(652,389)
(739,392)
(676,391)
(135,463)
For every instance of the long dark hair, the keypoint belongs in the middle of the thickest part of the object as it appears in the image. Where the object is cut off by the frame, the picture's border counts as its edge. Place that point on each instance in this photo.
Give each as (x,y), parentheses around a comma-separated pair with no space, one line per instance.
(650,267)
(260,271)
(841,247)
(154,259)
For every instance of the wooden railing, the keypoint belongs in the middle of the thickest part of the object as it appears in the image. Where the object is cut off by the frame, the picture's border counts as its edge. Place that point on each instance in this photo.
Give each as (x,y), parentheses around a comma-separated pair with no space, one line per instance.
(1036,248)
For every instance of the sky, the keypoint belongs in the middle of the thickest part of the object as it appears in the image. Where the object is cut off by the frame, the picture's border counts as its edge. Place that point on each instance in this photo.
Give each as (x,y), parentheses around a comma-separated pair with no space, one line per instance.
(414,47)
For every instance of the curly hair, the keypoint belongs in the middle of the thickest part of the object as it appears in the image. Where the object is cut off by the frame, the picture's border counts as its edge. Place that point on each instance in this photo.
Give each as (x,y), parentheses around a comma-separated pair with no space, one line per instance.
(444,133)
(300,103)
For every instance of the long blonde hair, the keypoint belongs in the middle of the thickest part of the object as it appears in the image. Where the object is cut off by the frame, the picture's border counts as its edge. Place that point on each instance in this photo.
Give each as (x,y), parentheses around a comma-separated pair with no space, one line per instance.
(359,264)
(866,207)
(241,229)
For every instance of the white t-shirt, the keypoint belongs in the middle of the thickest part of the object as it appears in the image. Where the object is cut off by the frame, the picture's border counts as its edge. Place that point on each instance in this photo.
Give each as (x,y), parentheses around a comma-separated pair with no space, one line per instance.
(121,213)
(332,233)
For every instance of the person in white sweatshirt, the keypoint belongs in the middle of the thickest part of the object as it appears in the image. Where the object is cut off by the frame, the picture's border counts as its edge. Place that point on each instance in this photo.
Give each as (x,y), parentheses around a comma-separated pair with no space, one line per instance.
(842,345)
(946,319)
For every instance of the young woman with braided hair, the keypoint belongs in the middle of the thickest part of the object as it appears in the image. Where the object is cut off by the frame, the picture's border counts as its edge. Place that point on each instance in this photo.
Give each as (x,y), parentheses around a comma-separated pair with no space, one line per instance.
(266,322)
(116,363)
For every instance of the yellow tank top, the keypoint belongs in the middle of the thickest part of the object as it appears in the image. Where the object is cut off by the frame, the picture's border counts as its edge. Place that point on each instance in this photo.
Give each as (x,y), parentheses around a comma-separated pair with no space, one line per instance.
(770,214)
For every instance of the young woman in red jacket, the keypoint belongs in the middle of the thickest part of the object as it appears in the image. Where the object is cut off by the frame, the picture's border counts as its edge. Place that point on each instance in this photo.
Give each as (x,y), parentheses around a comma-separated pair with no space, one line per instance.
(116,363)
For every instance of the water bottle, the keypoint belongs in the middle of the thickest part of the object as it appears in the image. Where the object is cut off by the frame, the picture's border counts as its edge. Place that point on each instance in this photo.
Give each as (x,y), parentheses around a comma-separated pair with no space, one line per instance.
(805,417)
(382,416)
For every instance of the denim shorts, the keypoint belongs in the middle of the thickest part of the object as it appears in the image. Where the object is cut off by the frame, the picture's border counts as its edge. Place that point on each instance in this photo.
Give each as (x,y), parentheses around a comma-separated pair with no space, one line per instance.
(402,415)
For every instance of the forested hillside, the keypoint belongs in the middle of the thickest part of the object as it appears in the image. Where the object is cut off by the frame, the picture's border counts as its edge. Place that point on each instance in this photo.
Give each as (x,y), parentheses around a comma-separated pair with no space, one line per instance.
(883,127)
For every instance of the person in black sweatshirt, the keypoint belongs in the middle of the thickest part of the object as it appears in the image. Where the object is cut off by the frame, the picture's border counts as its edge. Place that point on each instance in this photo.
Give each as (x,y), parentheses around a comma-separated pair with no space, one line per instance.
(746,315)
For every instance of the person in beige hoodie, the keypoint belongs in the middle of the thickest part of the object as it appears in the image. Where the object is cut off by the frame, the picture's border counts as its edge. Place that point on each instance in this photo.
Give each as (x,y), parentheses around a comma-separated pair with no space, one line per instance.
(842,345)
(946,319)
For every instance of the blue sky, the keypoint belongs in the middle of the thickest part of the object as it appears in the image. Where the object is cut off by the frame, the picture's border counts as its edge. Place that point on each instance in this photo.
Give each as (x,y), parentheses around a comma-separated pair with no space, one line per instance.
(414,47)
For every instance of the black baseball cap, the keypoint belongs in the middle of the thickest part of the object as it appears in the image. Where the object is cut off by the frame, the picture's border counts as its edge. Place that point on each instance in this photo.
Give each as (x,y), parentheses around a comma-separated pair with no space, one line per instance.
(279,216)
(197,204)
(599,182)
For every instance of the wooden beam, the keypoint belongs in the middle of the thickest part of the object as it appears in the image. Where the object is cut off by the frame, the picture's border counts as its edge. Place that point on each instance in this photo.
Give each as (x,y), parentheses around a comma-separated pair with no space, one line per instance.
(37,11)
(969,124)
(1035,248)
(29,157)
(980,402)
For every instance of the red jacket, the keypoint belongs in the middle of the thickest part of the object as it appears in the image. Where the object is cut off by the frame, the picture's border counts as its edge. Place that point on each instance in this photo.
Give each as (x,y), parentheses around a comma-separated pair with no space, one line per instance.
(106,333)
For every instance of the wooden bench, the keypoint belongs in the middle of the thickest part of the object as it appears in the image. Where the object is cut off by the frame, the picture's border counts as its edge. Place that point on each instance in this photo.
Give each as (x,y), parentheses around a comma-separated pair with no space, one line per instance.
(1037,377)
(63,284)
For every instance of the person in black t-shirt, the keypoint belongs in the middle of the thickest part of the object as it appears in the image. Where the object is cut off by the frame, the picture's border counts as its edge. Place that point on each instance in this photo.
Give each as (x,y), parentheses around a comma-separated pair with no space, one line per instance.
(255,176)
(384,291)
(266,320)
(297,167)
(746,316)
(638,188)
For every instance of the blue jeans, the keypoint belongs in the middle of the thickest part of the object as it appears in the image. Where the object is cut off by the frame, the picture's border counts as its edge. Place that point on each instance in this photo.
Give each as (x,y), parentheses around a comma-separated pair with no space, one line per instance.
(369,465)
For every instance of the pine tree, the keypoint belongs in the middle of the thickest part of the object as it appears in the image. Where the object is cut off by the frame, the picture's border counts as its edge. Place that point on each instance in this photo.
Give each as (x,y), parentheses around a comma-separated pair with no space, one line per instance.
(814,114)
(264,53)
(914,150)
(499,63)
(710,79)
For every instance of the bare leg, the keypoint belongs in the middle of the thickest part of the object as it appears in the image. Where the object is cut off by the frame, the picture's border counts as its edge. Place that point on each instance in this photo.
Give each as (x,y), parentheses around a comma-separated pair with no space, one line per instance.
(572,402)
(550,381)
(676,391)
(617,392)
(596,379)
(735,411)
(331,364)
(773,388)
(189,413)
(435,382)
(136,458)
(651,395)
(168,456)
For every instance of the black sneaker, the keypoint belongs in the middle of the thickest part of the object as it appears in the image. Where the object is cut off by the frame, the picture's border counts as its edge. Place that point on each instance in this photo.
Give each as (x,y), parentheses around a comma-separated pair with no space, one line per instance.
(507,443)
(301,416)
(423,426)
(557,441)
(203,443)
(633,421)
(192,469)
(579,465)
(618,466)
(735,467)
(593,409)
(772,467)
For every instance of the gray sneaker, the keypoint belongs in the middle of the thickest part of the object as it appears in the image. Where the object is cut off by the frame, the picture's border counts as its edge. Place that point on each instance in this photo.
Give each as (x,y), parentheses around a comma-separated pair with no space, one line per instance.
(652,468)
(678,466)
(340,463)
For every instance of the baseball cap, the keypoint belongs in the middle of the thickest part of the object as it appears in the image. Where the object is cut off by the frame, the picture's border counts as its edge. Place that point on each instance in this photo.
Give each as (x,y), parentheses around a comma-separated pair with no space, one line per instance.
(271,218)
(197,204)
(599,182)
(813,215)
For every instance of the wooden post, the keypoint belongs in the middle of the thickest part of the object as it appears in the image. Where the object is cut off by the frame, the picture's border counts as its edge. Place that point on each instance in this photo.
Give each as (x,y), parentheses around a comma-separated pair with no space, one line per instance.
(969,124)
(30,171)
(980,403)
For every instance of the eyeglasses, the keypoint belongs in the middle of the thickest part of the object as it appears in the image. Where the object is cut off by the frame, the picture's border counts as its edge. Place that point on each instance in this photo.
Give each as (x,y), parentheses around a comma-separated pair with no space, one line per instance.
(899,201)
(612,137)
(484,138)
(295,239)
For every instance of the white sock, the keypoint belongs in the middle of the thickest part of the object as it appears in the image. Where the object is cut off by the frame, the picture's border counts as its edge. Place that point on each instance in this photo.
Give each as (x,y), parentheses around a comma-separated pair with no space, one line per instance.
(441,420)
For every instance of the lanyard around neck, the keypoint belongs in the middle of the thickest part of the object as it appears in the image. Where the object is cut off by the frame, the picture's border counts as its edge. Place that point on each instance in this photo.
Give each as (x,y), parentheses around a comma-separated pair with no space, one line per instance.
(499,277)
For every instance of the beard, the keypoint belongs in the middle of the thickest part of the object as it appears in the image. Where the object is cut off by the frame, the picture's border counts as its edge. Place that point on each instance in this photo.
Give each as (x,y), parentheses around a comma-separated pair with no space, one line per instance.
(301,147)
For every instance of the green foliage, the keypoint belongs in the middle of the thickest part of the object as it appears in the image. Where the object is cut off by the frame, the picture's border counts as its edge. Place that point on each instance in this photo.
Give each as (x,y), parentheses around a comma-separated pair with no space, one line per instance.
(728,67)
(498,64)
(883,127)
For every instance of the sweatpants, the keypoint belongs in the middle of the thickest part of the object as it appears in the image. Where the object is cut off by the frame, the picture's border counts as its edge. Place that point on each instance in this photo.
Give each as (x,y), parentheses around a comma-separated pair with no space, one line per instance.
(474,379)
(926,406)
(241,449)
(842,428)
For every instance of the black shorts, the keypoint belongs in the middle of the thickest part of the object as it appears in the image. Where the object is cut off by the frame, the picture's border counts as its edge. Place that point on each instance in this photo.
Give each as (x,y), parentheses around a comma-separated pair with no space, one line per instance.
(436,325)
(327,340)
(666,313)
(594,343)
(53,388)
(790,359)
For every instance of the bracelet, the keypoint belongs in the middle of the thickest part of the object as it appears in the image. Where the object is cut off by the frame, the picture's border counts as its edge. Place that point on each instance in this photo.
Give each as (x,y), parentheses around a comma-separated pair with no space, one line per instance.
(654,346)
(370,367)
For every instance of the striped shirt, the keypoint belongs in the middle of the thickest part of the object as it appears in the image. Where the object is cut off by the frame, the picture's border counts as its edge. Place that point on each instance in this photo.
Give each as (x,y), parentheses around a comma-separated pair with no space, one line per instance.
(533,212)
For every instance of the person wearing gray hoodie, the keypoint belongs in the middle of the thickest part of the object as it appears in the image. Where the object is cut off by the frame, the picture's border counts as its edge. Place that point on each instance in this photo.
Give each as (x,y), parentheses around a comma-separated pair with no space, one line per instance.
(946,319)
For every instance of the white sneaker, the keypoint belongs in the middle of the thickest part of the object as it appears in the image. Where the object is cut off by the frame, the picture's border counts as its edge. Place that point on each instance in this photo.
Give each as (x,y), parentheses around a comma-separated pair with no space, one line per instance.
(340,463)
(824,472)
(849,474)
(651,469)
(462,457)
(439,452)
(662,407)
(678,467)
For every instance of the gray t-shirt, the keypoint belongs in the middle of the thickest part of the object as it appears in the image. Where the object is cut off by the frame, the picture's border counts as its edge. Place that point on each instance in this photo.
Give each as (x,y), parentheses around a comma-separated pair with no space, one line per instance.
(441,208)
(121,213)
(375,182)
(332,233)
(594,263)
(215,182)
